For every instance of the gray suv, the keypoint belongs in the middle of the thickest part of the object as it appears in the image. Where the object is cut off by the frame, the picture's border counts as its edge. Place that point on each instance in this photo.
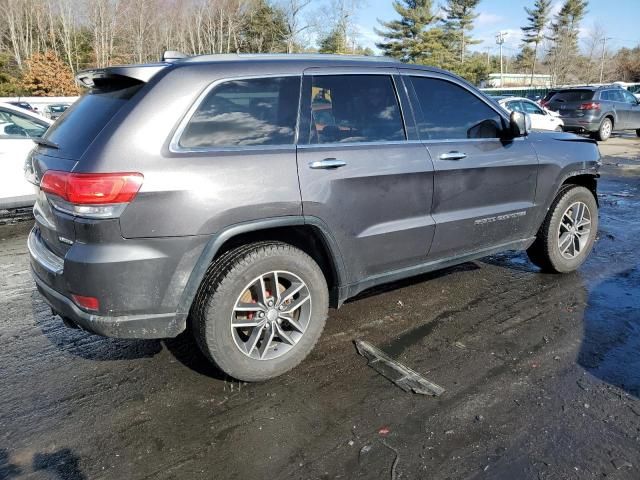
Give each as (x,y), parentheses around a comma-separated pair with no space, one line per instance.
(239,197)
(597,110)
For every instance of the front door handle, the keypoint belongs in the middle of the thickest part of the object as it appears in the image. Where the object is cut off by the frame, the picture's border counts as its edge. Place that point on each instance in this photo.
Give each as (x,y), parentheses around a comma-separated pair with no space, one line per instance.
(453,156)
(327,163)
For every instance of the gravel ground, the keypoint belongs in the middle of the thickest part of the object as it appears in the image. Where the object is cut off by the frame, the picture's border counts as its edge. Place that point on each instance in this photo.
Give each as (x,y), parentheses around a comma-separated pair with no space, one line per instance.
(542,378)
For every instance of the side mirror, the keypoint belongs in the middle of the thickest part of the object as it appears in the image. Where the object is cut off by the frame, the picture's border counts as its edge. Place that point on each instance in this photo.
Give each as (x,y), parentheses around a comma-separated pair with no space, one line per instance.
(519,124)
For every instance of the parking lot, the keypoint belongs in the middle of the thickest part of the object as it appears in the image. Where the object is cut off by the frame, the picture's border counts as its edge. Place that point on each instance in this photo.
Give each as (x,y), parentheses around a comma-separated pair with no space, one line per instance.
(542,378)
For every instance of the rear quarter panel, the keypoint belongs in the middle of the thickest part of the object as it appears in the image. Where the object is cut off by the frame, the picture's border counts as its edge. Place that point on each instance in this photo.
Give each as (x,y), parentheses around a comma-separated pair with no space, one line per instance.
(191,193)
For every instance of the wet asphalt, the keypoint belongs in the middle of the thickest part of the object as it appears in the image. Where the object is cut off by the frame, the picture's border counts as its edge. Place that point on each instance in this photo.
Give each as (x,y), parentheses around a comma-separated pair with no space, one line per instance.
(542,379)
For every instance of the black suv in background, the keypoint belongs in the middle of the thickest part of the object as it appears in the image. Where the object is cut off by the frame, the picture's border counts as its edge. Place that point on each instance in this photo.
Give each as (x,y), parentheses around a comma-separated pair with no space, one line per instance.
(597,110)
(243,195)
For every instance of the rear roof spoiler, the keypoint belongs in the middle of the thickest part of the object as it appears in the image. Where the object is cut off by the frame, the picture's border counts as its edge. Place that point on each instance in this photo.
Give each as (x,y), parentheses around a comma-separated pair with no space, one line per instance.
(141,73)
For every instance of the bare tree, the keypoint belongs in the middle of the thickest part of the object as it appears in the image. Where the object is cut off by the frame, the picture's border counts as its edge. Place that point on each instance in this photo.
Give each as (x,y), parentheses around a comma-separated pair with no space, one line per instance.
(592,43)
(293,10)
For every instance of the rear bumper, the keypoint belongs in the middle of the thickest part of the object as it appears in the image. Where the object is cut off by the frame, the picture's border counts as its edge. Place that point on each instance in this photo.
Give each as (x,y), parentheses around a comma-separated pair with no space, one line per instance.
(128,326)
(138,287)
(581,124)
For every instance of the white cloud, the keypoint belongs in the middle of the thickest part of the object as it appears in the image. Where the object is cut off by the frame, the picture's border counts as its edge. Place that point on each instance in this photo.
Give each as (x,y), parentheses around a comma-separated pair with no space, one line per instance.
(488,19)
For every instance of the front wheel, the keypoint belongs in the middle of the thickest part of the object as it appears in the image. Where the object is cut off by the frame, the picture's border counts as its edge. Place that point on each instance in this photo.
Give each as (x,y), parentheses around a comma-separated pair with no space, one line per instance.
(568,233)
(260,310)
(559,129)
(638,132)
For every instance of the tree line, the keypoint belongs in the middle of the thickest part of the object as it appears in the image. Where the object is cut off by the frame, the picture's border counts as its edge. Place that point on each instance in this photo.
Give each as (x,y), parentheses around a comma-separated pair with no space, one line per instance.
(441,36)
(43,43)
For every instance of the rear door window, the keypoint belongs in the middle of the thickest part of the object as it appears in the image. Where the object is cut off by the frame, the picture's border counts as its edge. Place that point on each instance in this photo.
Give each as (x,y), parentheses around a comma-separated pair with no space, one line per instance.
(76,130)
(354,108)
(451,112)
(247,112)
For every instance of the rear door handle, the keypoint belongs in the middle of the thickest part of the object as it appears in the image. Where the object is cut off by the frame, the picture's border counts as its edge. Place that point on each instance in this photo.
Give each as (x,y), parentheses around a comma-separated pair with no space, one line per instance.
(327,163)
(453,156)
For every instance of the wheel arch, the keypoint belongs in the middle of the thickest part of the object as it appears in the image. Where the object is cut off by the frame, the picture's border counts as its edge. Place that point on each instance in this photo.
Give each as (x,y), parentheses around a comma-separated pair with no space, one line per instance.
(587,180)
(309,234)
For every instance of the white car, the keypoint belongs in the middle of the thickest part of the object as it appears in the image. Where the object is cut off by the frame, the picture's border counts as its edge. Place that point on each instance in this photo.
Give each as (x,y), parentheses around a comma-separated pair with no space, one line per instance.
(541,118)
(17,129)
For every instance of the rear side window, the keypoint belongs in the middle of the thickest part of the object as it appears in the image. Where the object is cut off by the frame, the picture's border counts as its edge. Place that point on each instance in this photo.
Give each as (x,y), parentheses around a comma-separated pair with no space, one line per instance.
(249,112)
(75,131)
(354,108)
(572,96)
(451,112)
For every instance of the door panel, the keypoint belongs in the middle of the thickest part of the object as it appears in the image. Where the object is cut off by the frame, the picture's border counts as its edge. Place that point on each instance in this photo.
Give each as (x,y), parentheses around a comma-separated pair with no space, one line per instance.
(486,198)
(13,153)
(372,188)
(377,205)
(484,187)
(632,113)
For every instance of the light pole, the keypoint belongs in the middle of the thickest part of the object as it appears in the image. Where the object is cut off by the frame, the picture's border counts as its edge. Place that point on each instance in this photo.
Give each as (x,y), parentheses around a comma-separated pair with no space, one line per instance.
(604,45)
(500,41)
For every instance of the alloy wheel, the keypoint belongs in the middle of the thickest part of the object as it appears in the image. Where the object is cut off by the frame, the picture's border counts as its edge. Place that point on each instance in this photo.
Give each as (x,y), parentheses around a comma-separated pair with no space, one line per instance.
(574,230)
(271,315)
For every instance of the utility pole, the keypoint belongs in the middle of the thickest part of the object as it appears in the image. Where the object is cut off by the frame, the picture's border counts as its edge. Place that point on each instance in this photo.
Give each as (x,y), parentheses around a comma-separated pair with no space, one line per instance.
(488,49)
(604,46)
(500,41)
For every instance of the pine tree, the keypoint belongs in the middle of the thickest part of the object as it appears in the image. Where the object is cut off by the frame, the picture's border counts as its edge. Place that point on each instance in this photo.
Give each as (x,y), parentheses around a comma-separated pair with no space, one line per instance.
(48,76)
(265,29)
(404,39)
(533,32)
(564,35)
(458,22)
(524,59)
(334,42)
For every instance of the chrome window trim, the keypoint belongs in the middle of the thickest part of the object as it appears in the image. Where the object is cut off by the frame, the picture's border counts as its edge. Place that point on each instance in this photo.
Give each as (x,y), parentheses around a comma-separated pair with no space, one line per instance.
(377,143)
(174,144)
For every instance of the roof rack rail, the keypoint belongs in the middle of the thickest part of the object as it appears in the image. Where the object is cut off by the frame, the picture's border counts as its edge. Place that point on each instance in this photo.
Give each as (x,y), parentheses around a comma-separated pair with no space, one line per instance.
(173,55)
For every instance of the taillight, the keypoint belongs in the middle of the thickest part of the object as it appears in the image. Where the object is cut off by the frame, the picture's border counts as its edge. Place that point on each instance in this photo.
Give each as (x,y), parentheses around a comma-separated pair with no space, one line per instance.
(96,195)
(589,106)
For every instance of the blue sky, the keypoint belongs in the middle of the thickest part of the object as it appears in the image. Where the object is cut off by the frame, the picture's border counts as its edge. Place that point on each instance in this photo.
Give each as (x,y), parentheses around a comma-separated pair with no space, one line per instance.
(620,19)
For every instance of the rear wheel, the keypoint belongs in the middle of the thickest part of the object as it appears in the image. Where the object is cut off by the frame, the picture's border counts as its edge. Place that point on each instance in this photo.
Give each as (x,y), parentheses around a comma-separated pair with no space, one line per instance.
(604,132)
(260,310)
(559,129)
(568,233)
(638,132)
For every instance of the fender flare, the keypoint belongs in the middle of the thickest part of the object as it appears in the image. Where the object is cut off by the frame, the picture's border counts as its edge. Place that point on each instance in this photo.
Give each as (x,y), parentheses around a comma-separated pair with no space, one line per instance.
(215,243)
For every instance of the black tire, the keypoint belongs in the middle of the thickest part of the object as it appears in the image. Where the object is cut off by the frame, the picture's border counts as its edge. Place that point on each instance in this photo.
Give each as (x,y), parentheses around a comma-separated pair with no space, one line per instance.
(559,129)
(545,251)
(227,279)
(638,132)
(604,132)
